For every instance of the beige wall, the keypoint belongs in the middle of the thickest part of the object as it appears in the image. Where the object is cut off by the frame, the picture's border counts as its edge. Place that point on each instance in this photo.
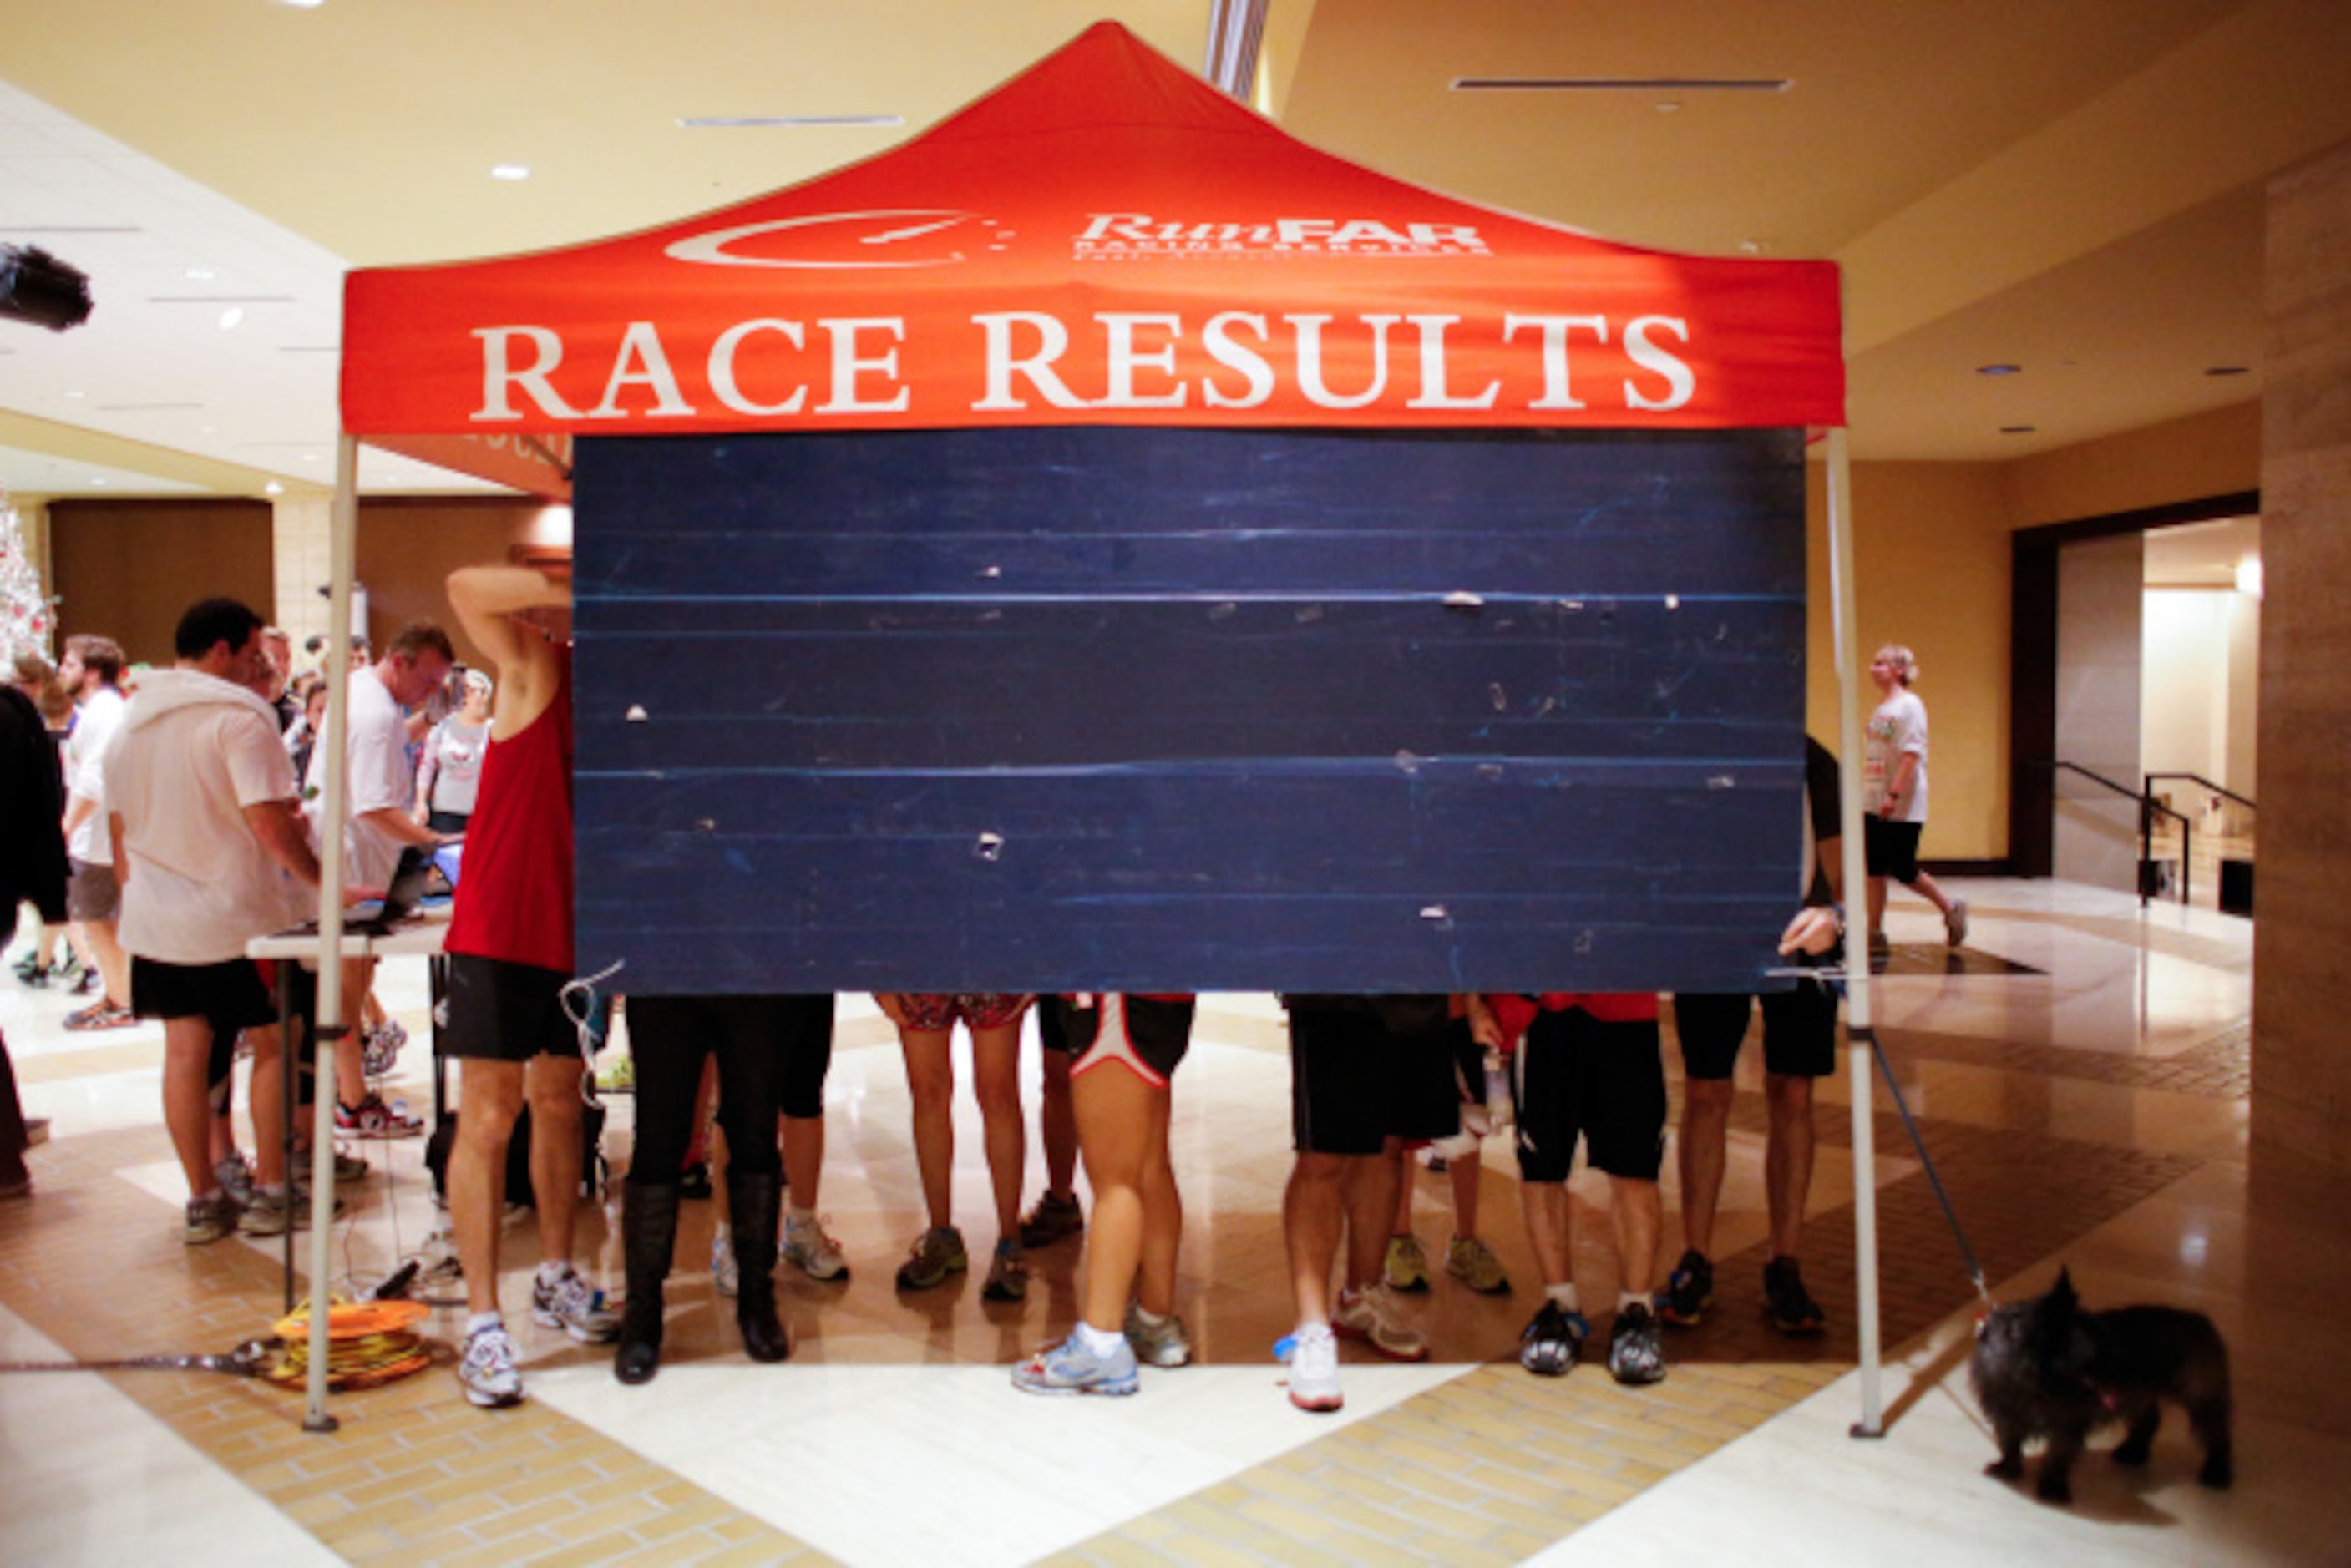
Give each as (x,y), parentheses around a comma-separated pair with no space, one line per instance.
(2302,1073)
(1931,568)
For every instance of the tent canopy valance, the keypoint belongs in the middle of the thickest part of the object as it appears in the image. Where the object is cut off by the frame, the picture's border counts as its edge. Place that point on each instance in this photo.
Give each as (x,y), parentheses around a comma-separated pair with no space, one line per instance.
(1104,240)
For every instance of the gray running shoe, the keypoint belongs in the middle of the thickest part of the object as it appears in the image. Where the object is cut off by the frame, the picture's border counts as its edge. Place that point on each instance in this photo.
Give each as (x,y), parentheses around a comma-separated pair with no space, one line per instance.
(236,1178)
(575,1306)
(1636,1353)
(1071,1368)
(1470,1260)
(1164,1344)
(814,1253)
(935,1255)
(209,1218)
(1053,1218)
(1007,1274)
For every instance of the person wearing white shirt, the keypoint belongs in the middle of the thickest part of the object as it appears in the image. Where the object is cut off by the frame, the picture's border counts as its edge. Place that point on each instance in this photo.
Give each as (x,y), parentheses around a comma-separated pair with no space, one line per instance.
(92,672)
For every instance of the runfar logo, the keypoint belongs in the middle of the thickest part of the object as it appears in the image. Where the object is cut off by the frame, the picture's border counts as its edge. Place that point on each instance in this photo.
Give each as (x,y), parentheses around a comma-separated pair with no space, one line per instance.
(894,238)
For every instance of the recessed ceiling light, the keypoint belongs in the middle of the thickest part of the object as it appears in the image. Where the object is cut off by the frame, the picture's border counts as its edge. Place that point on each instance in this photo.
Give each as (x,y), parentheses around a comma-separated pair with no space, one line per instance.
(231,318)
(77,394)
(200,274)
(1622,84)
(2229,370)
(273,488)
(2018,429)
(98,481)
(739,121)
(1999,370)
(510,171)
(303,4)
(1669,106)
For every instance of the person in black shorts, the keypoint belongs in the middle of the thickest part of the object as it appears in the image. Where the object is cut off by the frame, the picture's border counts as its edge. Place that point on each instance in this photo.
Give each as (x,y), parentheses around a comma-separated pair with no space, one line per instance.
(1799,1047)
(1368,1075)
(1589,1070)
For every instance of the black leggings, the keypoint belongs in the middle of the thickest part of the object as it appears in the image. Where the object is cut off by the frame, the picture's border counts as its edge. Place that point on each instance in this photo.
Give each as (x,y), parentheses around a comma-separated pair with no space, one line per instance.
(755,1038)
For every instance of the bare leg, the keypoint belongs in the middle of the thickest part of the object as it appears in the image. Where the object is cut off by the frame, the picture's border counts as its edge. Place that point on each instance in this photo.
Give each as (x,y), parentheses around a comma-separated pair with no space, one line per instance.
(1371,1201)
(1787,1158)
(188,1099)
(553,1085)
(1465,1172)
(1927,887)
(1544,1207)
(1163,1224)
(930,1082)
(113,964)
(1313,1215)
(1403,1224)
(803,1140)
(1706,1124)
(351,1072)
(1123,1130)
(489,1096)
(265,1095)
(1633,1209)
(996,1082)
(1060,1126)
(1876,906)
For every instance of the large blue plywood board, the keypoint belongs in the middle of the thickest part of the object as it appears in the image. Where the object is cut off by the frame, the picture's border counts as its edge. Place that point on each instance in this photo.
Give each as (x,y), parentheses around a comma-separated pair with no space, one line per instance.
(1189,711)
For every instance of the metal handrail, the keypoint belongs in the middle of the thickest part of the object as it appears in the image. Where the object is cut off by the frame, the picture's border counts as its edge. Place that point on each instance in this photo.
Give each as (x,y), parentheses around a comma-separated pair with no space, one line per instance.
(2147,807)
(2223,791)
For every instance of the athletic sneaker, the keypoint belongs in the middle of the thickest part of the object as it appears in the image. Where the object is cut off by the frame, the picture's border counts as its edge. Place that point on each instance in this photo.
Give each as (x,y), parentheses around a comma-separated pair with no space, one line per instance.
(1955,921)
(348,1167)
(99,1014)
(726,1274)
(573,1305)
(1370,1316)
(1163,1343)
(31,969)
(1007,1274)
(1470,1260)
(269,1213)
(381,1047)
(236,1178)
(1687,1290)
(817,1254)
(1070,1367)
(1636,1353)
(1790,1306)
(86,983)
(209,1218)
(1314,1368)
(1553,1342)
(488,1372)
(1407,1265)
(1054,1218)
(936,1254)
(373,1119)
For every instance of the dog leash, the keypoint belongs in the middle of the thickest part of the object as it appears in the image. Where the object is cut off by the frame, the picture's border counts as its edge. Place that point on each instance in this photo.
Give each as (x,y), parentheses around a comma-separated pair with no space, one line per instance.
(1835,977)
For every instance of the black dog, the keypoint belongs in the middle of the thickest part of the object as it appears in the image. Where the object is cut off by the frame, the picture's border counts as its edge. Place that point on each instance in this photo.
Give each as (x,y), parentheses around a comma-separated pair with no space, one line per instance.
(2045,1368)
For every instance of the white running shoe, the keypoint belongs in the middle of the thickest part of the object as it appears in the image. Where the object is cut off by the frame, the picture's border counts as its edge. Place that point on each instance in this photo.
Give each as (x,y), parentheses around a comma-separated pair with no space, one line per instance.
(487,1371)
(817,1254)
(573,1305)
(1314,1368)
(1370,1316)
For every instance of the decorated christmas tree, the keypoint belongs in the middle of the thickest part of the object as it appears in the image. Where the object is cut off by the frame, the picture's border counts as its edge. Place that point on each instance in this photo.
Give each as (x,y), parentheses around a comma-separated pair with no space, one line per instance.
(26,618)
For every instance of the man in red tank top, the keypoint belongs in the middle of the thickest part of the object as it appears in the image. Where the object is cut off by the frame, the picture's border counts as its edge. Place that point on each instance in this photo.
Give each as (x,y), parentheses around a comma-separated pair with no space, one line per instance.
(510,956)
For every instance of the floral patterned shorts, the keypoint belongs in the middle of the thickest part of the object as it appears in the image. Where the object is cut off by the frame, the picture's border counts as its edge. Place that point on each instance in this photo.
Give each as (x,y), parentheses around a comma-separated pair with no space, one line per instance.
(980,1010)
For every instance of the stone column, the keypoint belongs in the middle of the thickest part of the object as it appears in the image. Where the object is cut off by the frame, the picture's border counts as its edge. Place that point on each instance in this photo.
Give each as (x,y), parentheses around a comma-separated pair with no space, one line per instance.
(301,536)
(2302,987)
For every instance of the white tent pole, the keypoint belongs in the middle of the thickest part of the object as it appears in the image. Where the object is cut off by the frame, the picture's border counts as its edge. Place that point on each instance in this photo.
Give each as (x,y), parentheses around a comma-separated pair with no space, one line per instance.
(327,1031)
(1860,1032)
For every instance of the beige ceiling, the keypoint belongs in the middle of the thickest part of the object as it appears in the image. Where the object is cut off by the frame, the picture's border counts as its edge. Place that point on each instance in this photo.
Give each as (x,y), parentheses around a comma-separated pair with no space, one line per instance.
(2070,187)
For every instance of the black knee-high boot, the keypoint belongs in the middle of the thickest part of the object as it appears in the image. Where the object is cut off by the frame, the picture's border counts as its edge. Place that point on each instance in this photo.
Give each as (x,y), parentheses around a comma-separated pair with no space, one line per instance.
(648,1240)
(756,1202)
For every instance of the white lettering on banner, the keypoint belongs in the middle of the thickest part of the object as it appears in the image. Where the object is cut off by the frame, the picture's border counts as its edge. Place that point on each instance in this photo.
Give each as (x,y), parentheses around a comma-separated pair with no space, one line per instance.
(1432,368)
(1217,338)
(640,345)
(498,376)
(848,366)
(768,367)
(722,367)
(1557,392)
(1680,385)
(1115,235)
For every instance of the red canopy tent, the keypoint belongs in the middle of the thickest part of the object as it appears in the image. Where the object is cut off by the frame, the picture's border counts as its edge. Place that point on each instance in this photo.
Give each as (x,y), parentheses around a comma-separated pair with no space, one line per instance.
(1103,240)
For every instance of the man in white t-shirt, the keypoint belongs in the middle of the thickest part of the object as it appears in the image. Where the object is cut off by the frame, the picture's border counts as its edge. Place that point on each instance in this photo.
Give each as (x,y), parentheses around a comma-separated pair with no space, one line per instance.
(210,853)
(380,783)
(92,670)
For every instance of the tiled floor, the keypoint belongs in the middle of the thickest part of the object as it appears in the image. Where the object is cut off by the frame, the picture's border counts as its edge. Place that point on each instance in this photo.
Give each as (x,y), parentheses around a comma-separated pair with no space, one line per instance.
(2084,1101)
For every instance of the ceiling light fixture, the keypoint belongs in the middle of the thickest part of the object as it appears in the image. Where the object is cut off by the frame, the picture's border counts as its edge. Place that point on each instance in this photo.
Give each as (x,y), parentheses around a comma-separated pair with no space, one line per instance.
(2229,370)
(35,287)
(232,317)
(1622,84)
(273,488)
(787,122)
(2018,429)
(510,171)
(1999,370)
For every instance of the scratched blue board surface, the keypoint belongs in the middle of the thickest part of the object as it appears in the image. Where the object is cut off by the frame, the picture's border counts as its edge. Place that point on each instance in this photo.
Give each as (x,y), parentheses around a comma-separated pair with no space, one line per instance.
(1183,710)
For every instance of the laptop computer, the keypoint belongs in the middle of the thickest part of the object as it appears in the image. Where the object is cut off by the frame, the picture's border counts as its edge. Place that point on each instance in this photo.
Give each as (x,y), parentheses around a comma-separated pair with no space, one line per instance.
(399,905)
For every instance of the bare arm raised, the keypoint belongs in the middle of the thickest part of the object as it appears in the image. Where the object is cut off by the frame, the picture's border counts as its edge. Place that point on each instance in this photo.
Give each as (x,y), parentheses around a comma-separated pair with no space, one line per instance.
(488,602)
